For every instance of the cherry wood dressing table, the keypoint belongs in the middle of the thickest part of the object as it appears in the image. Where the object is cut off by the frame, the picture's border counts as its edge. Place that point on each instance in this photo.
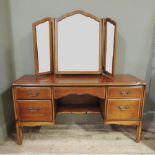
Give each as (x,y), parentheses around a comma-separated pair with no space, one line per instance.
(74,59)
(121,99)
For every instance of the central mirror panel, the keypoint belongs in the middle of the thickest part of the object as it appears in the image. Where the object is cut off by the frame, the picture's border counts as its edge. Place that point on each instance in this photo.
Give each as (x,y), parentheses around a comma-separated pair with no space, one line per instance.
(78,44)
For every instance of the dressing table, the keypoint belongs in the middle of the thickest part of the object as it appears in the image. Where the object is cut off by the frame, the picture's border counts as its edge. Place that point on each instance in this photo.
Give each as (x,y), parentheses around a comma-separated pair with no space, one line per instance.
(75,74)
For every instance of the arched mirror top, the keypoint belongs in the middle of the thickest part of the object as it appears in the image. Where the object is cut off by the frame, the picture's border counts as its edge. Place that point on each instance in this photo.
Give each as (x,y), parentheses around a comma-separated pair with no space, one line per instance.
(111,21)
(78,12)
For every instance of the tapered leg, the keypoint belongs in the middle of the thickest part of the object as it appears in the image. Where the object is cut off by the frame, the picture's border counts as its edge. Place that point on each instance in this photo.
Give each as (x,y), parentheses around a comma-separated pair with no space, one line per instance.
(139,132)
(19,133)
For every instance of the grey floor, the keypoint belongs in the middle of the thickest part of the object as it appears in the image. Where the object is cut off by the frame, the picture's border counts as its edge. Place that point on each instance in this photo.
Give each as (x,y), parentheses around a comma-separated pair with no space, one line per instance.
(78,138)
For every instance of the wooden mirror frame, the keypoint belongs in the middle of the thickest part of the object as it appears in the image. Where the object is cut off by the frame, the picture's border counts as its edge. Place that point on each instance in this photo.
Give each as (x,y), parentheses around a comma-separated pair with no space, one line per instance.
(51,31)
(54,44)
(114,45)
(100,43)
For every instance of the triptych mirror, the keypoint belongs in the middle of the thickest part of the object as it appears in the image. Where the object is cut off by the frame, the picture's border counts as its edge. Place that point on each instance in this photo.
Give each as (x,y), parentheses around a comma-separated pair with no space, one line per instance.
(76,43)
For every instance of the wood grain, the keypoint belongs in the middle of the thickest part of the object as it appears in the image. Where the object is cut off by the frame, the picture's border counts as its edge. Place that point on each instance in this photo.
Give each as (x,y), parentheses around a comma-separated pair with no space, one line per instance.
(125,92)
(34,110)
(123,109)
(33,93)
(119,99)
(78,80)
(64,91)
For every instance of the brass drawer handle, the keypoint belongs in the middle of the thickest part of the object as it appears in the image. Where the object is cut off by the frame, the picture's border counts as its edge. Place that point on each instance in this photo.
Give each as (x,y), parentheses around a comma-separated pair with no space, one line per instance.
(123,108)
(33,94)
(34,109)
(124,93)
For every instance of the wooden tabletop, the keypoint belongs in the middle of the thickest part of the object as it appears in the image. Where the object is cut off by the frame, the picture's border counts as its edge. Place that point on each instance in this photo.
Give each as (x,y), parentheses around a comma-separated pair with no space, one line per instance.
(77,80)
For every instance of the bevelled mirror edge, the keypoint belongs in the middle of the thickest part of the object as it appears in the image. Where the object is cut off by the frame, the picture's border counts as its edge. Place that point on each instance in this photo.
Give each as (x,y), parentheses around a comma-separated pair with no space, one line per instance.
(50,22)
(105,23)
(59,19)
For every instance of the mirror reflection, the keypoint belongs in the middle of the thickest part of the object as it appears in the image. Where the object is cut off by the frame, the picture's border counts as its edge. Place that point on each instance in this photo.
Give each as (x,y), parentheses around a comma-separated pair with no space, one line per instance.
(75,43)
(43,46)
(110,32)
(78,48)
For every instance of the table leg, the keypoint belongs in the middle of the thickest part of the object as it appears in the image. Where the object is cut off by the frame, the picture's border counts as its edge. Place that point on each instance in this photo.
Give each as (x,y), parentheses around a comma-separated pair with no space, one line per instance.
(139,132)
(19,133)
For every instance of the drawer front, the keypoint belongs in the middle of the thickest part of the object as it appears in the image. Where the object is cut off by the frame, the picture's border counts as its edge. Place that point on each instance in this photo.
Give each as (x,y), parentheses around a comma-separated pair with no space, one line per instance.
(125,92)
(64,91)
(34,110)
(33,93)
(123,109)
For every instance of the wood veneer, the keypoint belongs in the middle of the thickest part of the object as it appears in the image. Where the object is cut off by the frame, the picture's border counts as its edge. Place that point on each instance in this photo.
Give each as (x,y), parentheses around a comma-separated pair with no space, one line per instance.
(33,93)
(116,107)
(123,109)
(64,91)
(125,92)
(34,110)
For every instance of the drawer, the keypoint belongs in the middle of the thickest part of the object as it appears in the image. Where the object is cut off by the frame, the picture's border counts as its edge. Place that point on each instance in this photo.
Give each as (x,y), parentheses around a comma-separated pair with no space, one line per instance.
(125,92)
(34,110)
(33,93)
(64,91)
(123,109)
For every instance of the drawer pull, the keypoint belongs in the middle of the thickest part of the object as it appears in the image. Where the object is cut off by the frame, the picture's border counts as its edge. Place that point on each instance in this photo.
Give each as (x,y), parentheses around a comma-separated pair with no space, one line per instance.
(33,109)
(124,93)
(33,95)
(123,108)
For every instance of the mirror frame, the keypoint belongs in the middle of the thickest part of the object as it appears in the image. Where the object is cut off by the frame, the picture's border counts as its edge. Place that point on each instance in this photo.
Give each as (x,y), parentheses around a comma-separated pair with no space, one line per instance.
(114,45)
(100,43)
(51,31)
